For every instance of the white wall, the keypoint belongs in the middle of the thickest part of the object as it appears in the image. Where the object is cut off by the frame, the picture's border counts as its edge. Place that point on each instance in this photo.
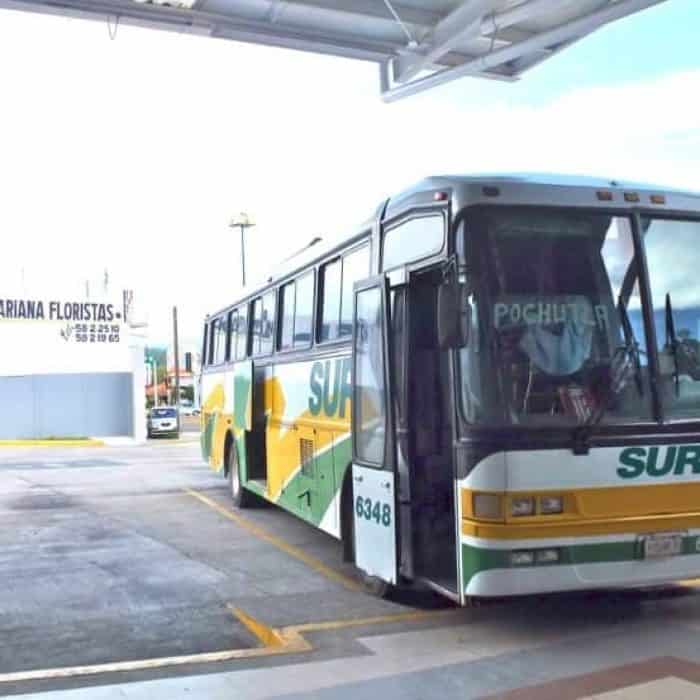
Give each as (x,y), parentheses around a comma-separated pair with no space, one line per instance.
(54,336)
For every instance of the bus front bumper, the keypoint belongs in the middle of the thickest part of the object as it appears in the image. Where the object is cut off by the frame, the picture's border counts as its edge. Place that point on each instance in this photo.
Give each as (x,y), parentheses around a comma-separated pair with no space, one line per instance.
(604,564)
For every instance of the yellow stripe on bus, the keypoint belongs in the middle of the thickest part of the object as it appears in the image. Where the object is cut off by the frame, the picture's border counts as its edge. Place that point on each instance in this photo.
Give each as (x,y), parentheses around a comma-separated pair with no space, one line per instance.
(607,502)
(586,528)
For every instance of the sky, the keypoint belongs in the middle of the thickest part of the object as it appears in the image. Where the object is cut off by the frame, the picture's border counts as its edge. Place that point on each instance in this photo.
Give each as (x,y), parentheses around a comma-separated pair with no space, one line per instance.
(133,154)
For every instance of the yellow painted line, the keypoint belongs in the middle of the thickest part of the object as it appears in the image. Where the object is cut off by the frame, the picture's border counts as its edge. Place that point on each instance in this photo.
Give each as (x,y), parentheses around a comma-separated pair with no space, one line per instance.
(313,563)
(284,641)
(52,443)
(413,616)
(275,642)
(268,636)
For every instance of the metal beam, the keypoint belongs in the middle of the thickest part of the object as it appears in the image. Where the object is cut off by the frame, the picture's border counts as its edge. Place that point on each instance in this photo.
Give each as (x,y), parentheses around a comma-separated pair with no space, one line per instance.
(409,64)
(464,21)
(545,40)
(212,24)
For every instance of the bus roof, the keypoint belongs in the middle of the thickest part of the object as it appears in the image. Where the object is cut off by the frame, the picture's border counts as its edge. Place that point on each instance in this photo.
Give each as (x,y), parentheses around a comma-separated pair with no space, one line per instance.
(544,180)
(544,189)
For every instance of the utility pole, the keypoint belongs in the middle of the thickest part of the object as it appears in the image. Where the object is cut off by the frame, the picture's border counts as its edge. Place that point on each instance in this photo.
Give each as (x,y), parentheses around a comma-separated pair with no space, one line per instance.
(242,221)
(177,368)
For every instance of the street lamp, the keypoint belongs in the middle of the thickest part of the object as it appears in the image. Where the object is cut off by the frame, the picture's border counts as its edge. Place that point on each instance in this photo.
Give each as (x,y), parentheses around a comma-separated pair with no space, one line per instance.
(242,221)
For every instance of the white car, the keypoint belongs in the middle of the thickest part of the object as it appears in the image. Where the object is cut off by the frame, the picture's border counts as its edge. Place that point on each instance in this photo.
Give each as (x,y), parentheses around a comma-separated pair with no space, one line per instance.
(189,410)
(162,421)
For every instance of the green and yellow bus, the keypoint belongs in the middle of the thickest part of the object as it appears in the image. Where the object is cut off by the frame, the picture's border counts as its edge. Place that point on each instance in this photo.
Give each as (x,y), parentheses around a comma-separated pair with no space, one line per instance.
(492,387)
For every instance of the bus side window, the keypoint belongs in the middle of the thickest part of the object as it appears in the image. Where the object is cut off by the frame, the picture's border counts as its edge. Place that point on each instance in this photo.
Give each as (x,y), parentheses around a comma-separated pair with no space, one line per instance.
(267,333)
(221,336)
(287,302)
(412,239)
(231,340)
(304,311)
(242,334)
(204,345)
(256,326)
(213,335)
(355,268)
(330,301)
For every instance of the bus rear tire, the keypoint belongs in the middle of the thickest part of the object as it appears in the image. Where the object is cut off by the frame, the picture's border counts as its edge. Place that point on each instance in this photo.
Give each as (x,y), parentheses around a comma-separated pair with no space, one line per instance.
(241,497)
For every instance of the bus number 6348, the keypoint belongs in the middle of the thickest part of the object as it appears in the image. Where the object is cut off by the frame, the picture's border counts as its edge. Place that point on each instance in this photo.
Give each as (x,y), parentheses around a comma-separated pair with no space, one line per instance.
(369,510)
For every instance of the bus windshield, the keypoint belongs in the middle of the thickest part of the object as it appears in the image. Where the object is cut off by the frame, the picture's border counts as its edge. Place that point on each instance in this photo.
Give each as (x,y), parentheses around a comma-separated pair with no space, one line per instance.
(554,299)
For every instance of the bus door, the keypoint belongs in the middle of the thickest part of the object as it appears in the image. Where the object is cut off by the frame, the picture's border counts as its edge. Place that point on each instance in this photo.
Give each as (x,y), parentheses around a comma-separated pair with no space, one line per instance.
(426,436)
(373,468)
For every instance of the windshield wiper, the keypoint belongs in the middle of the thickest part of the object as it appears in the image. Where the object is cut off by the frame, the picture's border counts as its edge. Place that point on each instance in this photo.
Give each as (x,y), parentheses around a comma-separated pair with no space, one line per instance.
(672,343)
(631,345)
(624,358)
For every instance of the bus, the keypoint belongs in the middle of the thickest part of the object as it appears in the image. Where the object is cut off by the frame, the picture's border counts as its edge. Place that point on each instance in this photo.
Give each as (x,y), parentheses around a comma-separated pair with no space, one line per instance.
(492,387)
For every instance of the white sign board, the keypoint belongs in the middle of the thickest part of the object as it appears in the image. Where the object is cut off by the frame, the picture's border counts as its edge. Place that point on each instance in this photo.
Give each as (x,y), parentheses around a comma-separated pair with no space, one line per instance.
(48,335)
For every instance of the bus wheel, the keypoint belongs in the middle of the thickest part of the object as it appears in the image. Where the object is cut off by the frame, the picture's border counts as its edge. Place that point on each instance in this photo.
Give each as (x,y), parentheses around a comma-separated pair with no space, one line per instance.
(241,497)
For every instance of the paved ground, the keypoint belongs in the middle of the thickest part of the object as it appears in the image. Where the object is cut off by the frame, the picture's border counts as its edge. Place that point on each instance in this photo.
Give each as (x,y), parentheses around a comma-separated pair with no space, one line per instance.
(132,554)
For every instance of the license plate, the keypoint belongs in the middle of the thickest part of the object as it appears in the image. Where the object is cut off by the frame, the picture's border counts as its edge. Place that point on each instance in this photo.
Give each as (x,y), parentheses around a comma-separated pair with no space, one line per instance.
(662,545)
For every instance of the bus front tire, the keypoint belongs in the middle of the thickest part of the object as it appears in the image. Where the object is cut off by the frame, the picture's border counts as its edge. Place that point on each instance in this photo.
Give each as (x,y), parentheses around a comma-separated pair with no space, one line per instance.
(242,498)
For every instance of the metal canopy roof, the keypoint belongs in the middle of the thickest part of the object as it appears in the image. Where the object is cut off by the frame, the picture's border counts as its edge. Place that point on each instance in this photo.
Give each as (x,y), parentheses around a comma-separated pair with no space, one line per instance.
(417,44)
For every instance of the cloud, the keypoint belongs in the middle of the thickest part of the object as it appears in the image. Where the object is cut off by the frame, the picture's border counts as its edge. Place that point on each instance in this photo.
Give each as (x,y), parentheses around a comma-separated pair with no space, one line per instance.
(133,154)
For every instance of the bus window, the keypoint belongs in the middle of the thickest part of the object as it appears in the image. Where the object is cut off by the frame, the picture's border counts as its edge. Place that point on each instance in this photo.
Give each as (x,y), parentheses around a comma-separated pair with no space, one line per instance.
(287,300)
(369,402)
(355,268)
(242,334)
(268,325)
(221,333)
(304,311)
(256,327)
(231,340)
(673,258)
(330,303)
(412,240)
(213,334)
(204,344)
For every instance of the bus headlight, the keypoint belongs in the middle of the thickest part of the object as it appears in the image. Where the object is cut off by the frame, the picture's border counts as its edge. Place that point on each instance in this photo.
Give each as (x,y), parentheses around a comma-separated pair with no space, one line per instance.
(550,505)
(487,505)
(522,506)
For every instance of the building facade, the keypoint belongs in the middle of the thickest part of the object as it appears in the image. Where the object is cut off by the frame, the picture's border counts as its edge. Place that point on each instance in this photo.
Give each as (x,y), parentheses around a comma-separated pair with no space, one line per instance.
(70,367)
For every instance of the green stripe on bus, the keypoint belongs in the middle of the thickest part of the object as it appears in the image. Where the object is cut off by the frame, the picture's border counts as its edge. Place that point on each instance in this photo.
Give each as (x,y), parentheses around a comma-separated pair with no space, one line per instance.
(310,492)
(477,559)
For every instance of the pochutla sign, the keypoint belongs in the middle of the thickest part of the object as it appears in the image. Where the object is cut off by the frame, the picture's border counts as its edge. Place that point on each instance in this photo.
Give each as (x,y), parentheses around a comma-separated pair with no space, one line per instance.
(547,313)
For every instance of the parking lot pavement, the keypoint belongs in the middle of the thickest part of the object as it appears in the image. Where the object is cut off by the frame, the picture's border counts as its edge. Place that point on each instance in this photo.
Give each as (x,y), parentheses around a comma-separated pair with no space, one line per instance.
(133,555)
(110,555)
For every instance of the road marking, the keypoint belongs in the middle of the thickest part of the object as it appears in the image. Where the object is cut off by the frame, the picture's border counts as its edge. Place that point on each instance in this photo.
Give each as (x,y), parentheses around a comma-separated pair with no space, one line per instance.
(413,616)
(283,641)
(275,642)
(52,443)
(280,544)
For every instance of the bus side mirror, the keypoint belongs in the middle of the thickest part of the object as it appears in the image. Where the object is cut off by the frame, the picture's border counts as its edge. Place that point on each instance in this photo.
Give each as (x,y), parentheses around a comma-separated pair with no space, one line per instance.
(453,316)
